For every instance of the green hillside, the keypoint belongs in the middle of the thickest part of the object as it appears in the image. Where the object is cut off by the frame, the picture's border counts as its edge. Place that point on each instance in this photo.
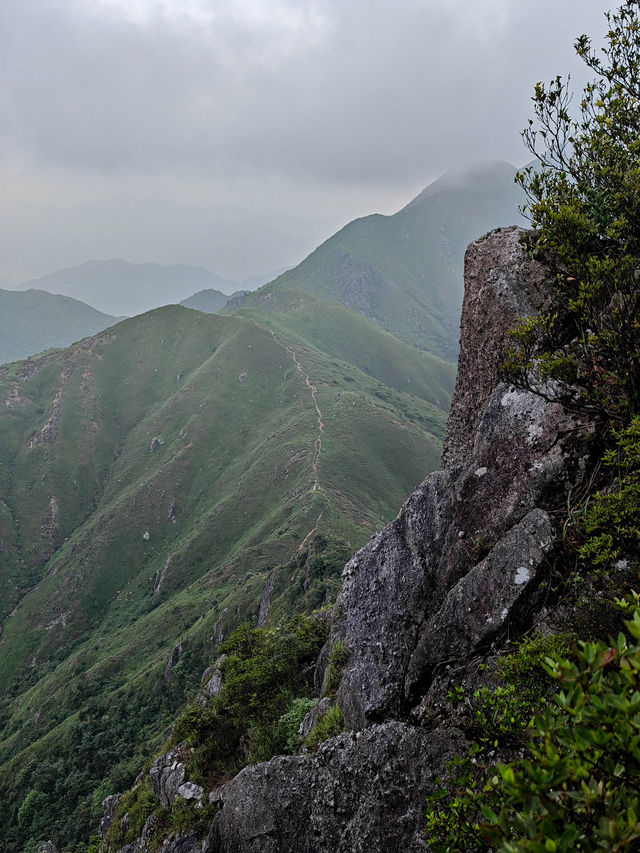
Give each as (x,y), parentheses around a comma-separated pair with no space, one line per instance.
(210,301)
(34,320)
(404,272)
(155,482)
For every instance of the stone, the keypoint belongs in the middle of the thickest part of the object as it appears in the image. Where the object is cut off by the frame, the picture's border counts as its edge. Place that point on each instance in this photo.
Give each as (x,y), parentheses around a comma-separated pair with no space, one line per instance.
(356,794)
(167,775)
(214,682)
(109,809)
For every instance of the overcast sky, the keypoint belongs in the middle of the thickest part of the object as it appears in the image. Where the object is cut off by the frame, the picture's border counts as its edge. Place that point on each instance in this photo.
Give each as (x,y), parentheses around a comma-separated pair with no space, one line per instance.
(288,117)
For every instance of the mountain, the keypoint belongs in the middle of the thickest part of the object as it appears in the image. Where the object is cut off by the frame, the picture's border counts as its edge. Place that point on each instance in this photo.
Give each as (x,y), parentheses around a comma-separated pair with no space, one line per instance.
(405,271)
(120,287)
(33,320)
(438,645)
(162,482)
(210,301)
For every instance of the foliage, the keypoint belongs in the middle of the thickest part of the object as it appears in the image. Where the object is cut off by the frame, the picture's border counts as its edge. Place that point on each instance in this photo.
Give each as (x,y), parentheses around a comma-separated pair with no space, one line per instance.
(329,725)
(584,201)
(289,723)
(337,660)
(252,717)
(524,666)
(579,786)
(612,522)
(256,714)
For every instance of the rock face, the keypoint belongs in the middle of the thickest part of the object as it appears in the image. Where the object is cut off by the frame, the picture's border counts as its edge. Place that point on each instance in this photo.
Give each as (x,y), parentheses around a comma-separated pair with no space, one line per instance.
(167,775)
(460,568)
(361,791)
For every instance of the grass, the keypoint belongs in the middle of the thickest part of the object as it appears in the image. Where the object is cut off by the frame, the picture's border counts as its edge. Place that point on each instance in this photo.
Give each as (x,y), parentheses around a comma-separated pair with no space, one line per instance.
(92,626)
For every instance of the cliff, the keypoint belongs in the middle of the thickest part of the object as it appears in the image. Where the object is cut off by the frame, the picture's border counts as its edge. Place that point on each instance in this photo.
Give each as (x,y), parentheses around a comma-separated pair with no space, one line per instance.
(463,566)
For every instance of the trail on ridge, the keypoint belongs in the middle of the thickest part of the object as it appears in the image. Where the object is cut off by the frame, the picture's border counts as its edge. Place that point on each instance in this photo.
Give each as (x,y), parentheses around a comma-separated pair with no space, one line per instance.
(317,448)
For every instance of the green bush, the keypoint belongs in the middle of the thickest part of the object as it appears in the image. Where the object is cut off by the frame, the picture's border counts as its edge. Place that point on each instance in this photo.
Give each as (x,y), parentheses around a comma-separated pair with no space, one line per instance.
(524,666)
(612,521)
(579,786)
(329,725)
(337,660)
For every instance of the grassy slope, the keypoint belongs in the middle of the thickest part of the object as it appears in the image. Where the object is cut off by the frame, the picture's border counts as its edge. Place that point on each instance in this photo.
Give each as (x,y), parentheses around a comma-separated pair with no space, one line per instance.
(91,607)
(34,320)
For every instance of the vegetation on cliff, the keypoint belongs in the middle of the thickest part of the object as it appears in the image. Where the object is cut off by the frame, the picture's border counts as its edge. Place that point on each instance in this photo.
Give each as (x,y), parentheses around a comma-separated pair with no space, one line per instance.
(578,787)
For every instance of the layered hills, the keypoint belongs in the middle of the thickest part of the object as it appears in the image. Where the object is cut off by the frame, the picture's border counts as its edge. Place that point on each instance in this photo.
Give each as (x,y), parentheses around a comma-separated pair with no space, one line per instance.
(163,481)
(123,288)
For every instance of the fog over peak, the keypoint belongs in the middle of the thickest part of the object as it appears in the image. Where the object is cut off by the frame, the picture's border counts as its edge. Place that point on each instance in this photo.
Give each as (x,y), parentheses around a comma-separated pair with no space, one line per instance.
(321,111)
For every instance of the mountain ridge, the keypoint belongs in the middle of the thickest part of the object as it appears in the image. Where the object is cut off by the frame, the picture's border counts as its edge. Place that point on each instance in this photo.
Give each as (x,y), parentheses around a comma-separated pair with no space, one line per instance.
(404,271)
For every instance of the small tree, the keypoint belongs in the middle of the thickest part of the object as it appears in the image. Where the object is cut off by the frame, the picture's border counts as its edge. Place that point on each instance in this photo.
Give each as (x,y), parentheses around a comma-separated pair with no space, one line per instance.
(584,202)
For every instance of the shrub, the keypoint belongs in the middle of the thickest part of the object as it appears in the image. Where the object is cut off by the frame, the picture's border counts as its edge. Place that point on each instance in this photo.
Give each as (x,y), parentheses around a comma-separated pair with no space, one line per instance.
(337,660)
(579,786)
(329,725)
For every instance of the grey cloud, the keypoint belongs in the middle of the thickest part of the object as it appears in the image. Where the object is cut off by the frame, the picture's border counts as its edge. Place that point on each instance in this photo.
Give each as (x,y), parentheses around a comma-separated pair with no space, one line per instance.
(382,90)
(123,114)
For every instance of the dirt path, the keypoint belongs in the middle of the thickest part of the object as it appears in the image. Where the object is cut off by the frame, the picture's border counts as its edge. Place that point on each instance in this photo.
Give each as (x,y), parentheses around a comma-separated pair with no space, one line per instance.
(317,448)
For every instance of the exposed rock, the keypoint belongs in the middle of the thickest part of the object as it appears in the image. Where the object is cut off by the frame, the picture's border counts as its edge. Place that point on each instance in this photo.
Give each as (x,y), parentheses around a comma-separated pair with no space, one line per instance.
(159,576)
(265,601)
(191,791)
(14,398)
(214,682)
(48,847)
(173,660)
(109,809)
(156,442)
(167,775)
(360,792)
(314,716)
(141,844)
(502,284)
(171,515)
(513,456)
(185,844)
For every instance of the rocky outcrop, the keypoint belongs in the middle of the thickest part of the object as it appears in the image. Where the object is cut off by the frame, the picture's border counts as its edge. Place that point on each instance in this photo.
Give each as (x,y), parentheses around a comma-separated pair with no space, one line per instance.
(460,568)
(167,775)
(109,809)
(361,791)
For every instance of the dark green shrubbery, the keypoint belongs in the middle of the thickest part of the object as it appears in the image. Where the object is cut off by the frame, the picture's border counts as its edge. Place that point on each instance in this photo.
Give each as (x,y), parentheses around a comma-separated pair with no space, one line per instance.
(267,679)
(265,671)
(578,788)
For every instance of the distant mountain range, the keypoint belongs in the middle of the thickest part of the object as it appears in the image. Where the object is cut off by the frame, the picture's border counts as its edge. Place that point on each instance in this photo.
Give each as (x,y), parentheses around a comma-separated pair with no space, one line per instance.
(404,272)
(34,320)
(123,288)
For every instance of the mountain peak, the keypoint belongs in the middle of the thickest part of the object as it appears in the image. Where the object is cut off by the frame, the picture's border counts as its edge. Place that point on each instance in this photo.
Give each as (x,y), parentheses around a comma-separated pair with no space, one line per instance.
(482,176)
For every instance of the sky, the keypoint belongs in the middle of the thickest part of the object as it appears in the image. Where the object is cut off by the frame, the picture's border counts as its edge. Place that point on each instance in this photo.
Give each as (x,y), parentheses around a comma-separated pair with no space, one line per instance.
(238,134)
